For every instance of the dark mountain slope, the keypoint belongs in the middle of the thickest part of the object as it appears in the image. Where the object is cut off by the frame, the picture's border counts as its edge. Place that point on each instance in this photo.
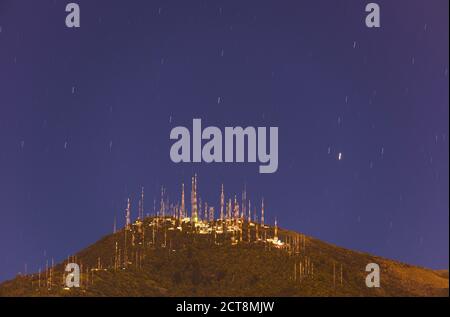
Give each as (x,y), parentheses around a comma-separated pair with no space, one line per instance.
(159,260)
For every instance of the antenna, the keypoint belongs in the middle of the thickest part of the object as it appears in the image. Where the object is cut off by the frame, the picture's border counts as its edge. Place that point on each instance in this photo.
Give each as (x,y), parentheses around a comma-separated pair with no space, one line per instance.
(262,211)
(194,210)
(275,237)
(244,202)
(128,213)
(222,200)
(182,215)
(162,207)
(236,209)
(142,203)
(211,214)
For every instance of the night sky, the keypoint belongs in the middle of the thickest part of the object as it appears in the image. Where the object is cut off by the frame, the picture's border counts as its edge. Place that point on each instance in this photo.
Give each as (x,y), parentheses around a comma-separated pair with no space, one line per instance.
(85,117)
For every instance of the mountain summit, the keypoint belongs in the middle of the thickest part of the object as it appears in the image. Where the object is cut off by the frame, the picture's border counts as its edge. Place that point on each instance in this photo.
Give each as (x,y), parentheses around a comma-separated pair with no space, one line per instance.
(169,256)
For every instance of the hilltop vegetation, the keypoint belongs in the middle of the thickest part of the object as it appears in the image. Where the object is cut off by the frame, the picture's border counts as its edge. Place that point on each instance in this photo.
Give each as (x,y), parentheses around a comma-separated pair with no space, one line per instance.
(167,262)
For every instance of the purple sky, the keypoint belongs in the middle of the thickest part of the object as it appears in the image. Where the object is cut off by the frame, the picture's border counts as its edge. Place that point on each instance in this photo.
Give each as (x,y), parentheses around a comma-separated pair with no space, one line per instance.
(85,117)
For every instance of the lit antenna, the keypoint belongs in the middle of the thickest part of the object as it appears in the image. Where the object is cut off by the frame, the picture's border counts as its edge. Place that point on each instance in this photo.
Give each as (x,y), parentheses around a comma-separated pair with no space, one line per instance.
(222,201)
(142,203)
(182,202)
(262,212)
(128,213)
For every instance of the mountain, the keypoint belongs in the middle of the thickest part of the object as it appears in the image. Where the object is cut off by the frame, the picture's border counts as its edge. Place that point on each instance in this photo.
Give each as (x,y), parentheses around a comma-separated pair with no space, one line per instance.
(168,257)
